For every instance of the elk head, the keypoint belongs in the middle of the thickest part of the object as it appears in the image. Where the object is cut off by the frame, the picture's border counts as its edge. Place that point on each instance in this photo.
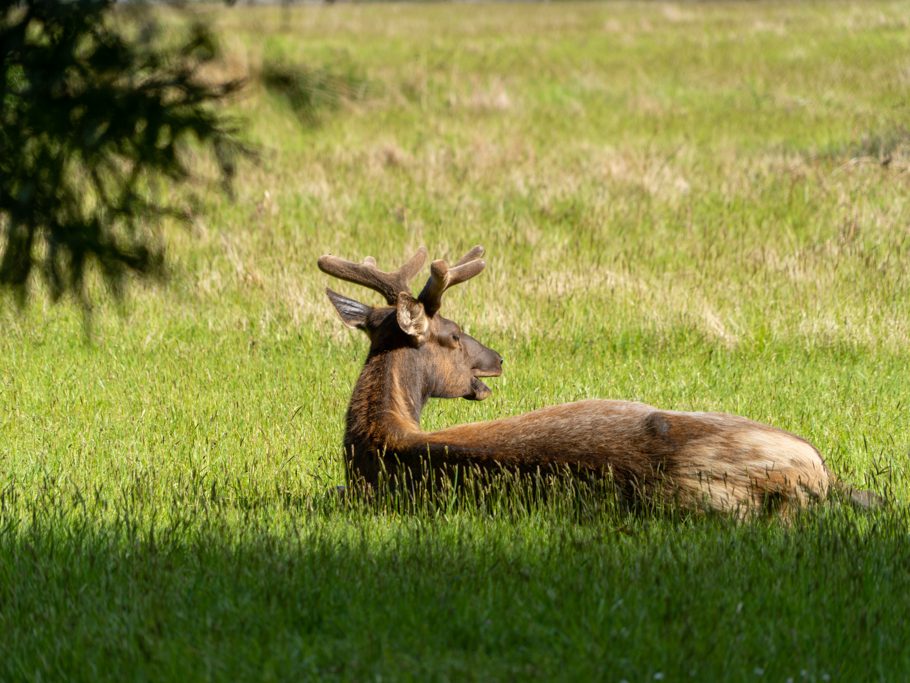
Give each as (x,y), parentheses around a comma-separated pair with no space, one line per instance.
(448,361)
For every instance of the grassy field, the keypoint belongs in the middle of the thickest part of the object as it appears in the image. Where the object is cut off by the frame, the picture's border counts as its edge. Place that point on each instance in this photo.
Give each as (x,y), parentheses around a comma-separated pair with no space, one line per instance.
(700,206)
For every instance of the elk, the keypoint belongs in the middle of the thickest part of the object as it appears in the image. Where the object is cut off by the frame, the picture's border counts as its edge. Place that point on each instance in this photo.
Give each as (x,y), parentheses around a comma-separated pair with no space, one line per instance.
(699,461)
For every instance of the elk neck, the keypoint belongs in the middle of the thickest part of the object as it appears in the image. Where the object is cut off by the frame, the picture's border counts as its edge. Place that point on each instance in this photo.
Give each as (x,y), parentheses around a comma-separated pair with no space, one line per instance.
(387,400)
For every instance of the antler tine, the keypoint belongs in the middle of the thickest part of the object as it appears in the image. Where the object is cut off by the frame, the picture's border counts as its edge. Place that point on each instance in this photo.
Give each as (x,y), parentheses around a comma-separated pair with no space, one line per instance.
(442,277)
(475,253)
(368,275)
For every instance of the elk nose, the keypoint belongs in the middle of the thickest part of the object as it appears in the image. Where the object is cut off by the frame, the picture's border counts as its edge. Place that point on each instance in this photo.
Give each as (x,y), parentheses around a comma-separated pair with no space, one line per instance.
(501,359)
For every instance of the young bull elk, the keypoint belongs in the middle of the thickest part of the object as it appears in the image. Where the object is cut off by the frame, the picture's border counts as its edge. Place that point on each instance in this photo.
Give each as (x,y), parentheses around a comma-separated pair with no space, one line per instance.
(697,460)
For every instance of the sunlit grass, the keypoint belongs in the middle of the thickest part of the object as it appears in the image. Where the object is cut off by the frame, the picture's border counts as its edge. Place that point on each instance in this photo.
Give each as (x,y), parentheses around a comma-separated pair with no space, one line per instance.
(700,206)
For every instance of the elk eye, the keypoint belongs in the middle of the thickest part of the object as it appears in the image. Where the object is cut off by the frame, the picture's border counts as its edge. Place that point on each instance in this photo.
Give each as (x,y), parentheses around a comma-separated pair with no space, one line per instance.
(456,337)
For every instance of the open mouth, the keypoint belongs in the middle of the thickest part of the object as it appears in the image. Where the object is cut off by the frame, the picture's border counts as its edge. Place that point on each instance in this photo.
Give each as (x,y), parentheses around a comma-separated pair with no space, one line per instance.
(479,390)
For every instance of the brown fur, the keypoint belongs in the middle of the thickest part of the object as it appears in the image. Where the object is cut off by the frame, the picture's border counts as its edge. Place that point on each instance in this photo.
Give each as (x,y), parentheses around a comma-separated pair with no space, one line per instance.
(697,460)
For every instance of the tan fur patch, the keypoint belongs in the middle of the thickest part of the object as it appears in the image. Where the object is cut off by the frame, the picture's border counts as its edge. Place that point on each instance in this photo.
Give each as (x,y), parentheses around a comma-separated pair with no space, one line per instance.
(744,468)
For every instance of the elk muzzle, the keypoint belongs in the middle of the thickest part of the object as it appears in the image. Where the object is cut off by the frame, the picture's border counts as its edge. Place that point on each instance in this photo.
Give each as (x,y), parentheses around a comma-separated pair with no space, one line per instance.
(485,362)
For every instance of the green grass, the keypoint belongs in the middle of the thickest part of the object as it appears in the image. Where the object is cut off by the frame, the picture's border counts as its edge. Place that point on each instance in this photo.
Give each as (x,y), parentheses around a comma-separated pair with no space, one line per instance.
(702,206)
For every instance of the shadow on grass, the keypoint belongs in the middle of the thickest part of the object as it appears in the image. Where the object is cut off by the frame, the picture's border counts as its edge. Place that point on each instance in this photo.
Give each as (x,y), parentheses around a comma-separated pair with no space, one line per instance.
(882,147)
(313,92)
(345,592)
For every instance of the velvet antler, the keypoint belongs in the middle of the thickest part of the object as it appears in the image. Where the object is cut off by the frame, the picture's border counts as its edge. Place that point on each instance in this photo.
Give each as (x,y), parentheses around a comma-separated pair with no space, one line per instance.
(442,277)
(368,275)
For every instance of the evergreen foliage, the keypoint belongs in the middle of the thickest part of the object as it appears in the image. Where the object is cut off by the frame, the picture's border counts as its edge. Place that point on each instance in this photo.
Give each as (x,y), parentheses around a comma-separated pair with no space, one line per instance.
(96,107)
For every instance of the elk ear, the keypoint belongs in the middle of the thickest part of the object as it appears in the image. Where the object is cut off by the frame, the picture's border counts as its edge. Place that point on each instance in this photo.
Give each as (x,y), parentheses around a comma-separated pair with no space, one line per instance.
(412,319)
(353,313)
